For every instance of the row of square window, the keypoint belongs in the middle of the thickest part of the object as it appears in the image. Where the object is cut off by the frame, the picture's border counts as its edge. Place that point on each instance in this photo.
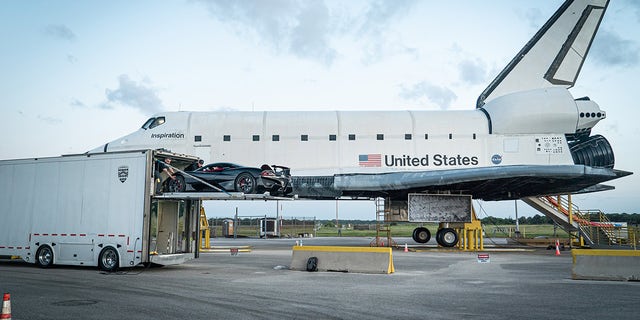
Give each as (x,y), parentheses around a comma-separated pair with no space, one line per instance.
(332,137)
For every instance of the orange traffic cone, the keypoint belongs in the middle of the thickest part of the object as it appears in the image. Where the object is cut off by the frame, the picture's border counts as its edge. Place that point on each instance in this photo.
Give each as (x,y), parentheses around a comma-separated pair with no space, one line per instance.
(6,307)
(557,247)
(406,249)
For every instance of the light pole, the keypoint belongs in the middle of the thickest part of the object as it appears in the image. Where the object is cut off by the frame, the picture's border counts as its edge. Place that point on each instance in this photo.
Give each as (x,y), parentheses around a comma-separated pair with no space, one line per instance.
(337,220)
(517,233)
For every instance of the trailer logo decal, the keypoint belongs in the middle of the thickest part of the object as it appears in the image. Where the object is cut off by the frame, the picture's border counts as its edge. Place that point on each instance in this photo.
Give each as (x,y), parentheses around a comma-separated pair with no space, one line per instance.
(123,173)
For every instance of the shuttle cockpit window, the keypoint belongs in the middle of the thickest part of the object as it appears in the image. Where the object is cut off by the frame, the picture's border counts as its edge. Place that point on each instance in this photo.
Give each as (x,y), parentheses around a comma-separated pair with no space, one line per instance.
(153,122)
(148,123)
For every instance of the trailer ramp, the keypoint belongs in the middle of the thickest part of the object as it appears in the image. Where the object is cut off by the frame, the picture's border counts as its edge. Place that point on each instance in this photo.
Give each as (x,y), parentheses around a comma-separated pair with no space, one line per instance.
(221,196)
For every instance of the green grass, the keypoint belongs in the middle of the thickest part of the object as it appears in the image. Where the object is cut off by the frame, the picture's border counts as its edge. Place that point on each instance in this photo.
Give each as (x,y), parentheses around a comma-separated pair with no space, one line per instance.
(526,231)
(403,230)
(406,230)
(397,230)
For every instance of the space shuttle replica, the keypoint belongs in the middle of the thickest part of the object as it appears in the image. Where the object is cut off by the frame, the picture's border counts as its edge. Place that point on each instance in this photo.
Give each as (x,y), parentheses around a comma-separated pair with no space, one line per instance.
(528,136)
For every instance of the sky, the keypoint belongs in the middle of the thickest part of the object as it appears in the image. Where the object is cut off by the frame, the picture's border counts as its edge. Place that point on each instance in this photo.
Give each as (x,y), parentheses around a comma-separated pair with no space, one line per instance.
(78,74)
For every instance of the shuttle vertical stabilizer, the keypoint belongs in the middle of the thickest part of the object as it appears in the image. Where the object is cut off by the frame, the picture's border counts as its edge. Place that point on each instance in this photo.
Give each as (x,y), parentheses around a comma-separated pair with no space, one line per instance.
(554,56)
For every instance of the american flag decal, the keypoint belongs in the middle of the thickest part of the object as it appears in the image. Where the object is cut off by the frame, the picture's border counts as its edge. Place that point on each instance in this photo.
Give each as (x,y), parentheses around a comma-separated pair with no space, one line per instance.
(370,160)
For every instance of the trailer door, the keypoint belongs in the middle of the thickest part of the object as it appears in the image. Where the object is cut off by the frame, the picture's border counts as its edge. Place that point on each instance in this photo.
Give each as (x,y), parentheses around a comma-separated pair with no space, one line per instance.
(172,230)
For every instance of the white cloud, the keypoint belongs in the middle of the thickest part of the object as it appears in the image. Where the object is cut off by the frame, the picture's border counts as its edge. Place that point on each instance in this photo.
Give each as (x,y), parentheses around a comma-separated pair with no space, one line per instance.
(381,13)
(71,58)
(441,96)
(635,6)
(473,71)
(611,50)
(298,27)
(77,103)
(535,18)
(306,29)
(139,95)
(49,120)
(226,109)
(60,31)
(374,28)
(309,37)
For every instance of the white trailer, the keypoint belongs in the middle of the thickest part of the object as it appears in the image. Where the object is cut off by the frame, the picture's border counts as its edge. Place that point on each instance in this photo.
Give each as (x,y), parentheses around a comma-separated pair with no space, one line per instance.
(94,210)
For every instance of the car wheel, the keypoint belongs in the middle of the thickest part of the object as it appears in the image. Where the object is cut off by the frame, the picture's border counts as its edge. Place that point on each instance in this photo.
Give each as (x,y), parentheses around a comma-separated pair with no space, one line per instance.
(44,257)
(108,260)
(245,183)
(177,184)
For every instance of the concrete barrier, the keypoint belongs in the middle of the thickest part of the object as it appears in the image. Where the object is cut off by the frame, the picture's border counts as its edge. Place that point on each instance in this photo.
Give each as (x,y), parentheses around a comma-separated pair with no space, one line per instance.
(599,264)
(344,259)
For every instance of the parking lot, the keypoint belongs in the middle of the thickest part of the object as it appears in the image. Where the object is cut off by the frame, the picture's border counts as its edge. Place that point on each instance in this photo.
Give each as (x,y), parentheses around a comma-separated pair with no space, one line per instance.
(431,284)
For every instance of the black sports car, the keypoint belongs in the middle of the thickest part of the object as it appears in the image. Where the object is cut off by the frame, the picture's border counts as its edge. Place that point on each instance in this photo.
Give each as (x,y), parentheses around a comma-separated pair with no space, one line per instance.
(233,177)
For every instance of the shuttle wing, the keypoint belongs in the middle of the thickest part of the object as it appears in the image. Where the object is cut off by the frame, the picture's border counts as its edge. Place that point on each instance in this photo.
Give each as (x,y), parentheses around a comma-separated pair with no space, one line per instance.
(492,183)
(555,54)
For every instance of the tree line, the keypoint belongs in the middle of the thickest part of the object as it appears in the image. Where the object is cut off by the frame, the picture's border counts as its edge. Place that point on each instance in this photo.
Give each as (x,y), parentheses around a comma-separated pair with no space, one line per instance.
(631,219)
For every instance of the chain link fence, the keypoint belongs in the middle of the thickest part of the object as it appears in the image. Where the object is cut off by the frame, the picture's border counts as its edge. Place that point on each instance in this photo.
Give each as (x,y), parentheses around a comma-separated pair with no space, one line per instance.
(263,226)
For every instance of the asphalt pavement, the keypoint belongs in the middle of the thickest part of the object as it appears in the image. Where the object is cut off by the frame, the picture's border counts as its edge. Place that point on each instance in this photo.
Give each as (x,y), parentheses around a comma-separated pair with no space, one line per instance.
(429,283)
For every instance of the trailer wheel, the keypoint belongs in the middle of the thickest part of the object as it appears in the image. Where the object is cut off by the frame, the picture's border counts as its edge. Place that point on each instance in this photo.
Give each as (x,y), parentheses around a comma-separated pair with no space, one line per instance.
(421,235)
(245,183)
(44,256)
(108,260)
(447,237)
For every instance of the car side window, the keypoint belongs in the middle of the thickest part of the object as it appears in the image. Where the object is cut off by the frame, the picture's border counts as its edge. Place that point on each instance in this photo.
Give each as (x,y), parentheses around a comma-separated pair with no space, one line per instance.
(213,168)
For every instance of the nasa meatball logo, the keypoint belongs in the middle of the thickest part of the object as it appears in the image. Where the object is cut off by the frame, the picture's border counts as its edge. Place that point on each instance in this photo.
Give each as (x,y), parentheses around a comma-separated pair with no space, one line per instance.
(123,173)
(496,159)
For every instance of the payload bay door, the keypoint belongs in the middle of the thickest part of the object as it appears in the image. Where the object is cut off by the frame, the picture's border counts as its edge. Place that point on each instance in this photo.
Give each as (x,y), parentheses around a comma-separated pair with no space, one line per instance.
(167,226)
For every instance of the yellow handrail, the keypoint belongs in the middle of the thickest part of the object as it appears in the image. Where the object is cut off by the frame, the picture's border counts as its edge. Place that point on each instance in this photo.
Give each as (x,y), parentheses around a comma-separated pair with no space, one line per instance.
(583,218)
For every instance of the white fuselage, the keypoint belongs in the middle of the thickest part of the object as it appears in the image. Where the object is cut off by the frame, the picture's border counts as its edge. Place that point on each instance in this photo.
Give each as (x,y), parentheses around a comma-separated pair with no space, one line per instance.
(524,128)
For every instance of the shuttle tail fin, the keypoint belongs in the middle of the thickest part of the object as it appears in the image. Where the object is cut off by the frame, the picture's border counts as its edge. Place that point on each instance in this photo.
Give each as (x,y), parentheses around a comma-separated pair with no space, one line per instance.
(555,54)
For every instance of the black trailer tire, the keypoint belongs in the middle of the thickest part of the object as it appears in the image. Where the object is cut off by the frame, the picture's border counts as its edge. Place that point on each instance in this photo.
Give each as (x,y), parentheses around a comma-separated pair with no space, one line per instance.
(44,256)
(245,183)
(108,259)
(447,237)
(421,235)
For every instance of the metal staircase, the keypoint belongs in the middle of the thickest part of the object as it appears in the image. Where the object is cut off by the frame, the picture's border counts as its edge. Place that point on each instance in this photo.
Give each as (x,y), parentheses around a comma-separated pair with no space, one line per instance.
(562,216)
(571,219)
